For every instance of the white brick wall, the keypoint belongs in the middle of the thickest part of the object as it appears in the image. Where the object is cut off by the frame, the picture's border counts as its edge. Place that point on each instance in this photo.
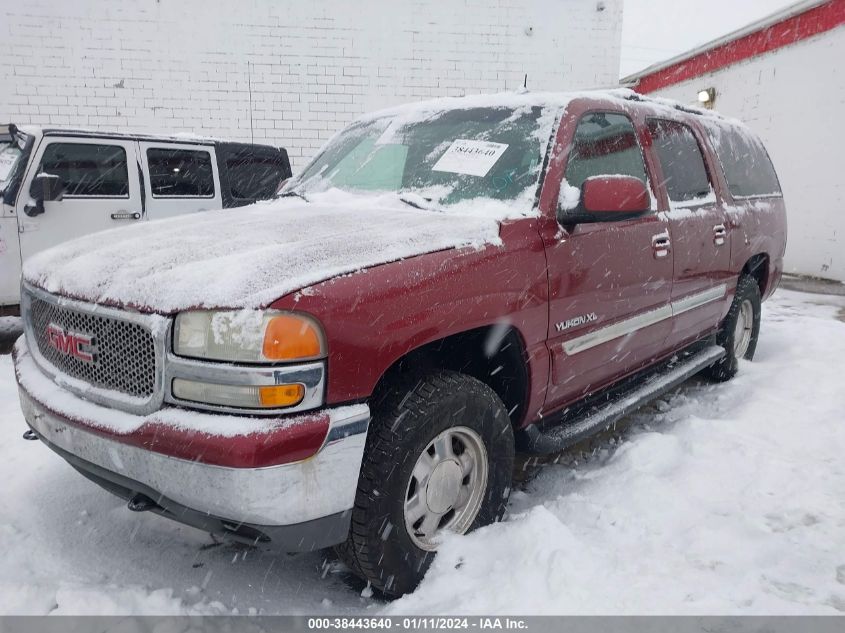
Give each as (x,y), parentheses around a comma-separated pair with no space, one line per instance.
(182,65)
(794,98)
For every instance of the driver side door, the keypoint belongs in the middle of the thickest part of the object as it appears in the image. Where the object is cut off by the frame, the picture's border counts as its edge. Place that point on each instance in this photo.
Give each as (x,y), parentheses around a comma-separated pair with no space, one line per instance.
(101,184)
(611,281)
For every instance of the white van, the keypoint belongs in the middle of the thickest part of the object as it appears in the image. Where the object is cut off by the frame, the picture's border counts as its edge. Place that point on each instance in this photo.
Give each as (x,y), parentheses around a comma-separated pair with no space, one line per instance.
(59,184)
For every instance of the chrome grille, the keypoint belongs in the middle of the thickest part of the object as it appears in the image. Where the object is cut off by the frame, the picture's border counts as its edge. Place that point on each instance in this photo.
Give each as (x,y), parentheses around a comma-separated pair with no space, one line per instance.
(124,352)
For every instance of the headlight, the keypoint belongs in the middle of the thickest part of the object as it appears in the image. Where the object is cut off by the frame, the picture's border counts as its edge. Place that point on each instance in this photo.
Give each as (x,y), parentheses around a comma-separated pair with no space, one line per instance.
(248,336)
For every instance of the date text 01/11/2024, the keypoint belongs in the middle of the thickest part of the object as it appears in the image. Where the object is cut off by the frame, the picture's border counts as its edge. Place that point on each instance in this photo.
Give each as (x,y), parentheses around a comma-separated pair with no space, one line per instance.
(417,623)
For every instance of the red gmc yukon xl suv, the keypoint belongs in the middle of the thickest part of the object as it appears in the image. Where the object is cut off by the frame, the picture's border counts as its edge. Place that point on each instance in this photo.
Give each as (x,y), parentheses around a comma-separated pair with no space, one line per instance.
(356,363)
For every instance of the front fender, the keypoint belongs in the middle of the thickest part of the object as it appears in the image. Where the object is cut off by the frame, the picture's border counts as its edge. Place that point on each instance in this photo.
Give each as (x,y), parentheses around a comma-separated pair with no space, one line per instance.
(374,317)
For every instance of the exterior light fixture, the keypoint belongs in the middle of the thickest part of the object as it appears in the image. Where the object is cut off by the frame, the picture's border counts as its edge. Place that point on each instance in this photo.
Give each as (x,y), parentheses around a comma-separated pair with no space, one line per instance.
(707,97)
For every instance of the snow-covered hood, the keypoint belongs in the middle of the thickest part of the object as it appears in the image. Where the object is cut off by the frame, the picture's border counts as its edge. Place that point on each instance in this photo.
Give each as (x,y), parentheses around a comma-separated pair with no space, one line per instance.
(250,256)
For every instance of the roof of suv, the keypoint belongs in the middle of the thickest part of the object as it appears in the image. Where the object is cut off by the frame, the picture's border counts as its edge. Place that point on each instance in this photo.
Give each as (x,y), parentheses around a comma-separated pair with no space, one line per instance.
(532,99)
(192,139)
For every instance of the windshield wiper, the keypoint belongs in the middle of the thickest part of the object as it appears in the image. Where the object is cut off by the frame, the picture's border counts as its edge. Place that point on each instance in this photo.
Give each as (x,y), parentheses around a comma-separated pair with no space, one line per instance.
(411,203)
(418,202)
(288,194)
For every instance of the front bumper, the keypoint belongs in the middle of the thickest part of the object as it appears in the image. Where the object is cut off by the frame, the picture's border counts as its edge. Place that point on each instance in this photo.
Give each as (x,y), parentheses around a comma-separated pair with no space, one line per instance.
(296,506)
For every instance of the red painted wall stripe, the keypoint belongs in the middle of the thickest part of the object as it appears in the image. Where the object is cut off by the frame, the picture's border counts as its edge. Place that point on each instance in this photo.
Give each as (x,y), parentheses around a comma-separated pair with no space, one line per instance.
(798,27)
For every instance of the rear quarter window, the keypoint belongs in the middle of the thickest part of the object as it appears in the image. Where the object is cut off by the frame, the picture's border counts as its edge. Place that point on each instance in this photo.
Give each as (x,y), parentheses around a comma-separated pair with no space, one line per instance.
(254,175)
(746,164)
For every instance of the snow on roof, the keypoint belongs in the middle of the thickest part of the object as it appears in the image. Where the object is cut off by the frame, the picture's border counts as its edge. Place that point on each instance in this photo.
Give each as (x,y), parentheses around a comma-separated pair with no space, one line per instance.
(516,100)
(176,137)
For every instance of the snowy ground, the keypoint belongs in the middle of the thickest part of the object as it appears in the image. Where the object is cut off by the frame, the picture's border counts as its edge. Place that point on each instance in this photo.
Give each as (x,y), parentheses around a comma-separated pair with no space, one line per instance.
(719,499)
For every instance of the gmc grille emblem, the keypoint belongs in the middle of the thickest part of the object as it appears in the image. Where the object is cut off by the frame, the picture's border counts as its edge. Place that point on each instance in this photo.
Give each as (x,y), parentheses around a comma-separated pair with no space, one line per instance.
(70,344)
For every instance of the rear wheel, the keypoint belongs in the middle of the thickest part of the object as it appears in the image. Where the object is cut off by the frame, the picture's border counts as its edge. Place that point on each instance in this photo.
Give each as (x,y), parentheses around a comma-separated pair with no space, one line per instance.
(739,331)
(439,459)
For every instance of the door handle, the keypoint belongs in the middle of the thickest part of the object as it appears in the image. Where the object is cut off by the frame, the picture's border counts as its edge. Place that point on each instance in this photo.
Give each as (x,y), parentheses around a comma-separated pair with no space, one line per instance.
(125,215)
(660,243)
(719,234)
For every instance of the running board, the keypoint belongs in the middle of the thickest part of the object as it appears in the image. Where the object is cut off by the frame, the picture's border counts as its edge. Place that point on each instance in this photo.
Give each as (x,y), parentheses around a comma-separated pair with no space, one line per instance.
(571,431)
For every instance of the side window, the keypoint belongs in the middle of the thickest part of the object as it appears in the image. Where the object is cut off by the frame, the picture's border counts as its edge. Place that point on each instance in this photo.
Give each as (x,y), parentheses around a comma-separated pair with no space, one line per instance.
(681,160)
(88,170)
(180,173)
(253,176)
(747,167)
(605,143)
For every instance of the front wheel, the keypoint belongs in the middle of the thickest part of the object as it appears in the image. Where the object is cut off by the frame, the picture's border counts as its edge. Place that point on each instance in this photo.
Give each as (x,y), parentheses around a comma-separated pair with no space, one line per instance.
(439,458)
(739,331)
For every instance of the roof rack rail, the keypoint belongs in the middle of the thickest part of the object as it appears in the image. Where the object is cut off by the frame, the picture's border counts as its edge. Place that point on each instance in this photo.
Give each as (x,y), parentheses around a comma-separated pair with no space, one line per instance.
(688,110)
(636,96)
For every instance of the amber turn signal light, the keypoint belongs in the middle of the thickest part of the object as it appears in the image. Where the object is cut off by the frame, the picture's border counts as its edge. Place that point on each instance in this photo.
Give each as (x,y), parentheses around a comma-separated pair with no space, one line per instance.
(281,395)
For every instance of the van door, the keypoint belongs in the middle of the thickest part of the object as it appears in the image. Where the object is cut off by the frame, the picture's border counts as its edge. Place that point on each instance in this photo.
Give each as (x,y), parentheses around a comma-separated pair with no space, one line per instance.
(609,282)
(179,178)
(11,154)
(101,190)
(698,226)
(10,261)
(10,258)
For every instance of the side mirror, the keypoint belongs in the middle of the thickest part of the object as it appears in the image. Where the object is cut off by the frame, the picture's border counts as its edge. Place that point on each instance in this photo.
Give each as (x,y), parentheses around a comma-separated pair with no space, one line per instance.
(609,198)
(44,188)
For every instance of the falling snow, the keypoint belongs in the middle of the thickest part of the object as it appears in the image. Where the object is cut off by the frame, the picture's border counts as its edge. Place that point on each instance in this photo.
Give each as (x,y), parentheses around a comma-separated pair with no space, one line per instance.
(717,499)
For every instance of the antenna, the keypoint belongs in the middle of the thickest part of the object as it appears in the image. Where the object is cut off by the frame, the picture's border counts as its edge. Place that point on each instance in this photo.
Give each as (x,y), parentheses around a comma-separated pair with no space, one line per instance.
(249,87)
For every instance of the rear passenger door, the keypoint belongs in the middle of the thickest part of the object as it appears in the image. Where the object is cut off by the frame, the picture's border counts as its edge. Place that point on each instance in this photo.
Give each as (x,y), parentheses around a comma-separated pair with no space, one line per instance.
(101,190)
(698,228)
(179,179)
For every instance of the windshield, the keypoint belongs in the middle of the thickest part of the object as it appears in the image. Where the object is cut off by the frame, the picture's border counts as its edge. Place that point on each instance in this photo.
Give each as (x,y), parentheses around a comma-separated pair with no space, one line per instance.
(9,155)
(14,154)
(448,158)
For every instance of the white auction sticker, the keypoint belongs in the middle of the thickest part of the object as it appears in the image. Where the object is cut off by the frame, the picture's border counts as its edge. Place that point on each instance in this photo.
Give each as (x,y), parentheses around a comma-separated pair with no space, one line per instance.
(474,158)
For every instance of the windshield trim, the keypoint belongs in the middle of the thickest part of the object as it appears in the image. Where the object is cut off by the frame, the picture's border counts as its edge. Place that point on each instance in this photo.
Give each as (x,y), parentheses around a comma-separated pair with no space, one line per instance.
(9,194)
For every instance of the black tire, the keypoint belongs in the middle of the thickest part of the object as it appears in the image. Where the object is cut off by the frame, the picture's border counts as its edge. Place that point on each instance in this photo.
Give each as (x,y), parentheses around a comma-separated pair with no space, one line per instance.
(379,548)
(748,291)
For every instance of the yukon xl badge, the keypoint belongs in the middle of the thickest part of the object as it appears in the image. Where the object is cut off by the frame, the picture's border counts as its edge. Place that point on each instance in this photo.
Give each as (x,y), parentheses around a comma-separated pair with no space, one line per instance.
(70,344)
(576,321)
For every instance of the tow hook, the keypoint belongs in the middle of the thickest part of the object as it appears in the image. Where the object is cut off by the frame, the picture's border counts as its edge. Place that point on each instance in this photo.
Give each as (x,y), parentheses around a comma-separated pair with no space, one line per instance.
(141,503)
(29,434)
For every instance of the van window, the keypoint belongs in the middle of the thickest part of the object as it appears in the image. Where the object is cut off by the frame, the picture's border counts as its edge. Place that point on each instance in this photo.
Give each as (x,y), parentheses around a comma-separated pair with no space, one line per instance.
(180,173)
(747,167)
(681,160)
(253,176)
(605,144)
(88,170)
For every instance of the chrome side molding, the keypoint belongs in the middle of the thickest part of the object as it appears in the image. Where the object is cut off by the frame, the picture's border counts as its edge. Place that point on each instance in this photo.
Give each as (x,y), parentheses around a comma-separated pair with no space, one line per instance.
(644,320)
